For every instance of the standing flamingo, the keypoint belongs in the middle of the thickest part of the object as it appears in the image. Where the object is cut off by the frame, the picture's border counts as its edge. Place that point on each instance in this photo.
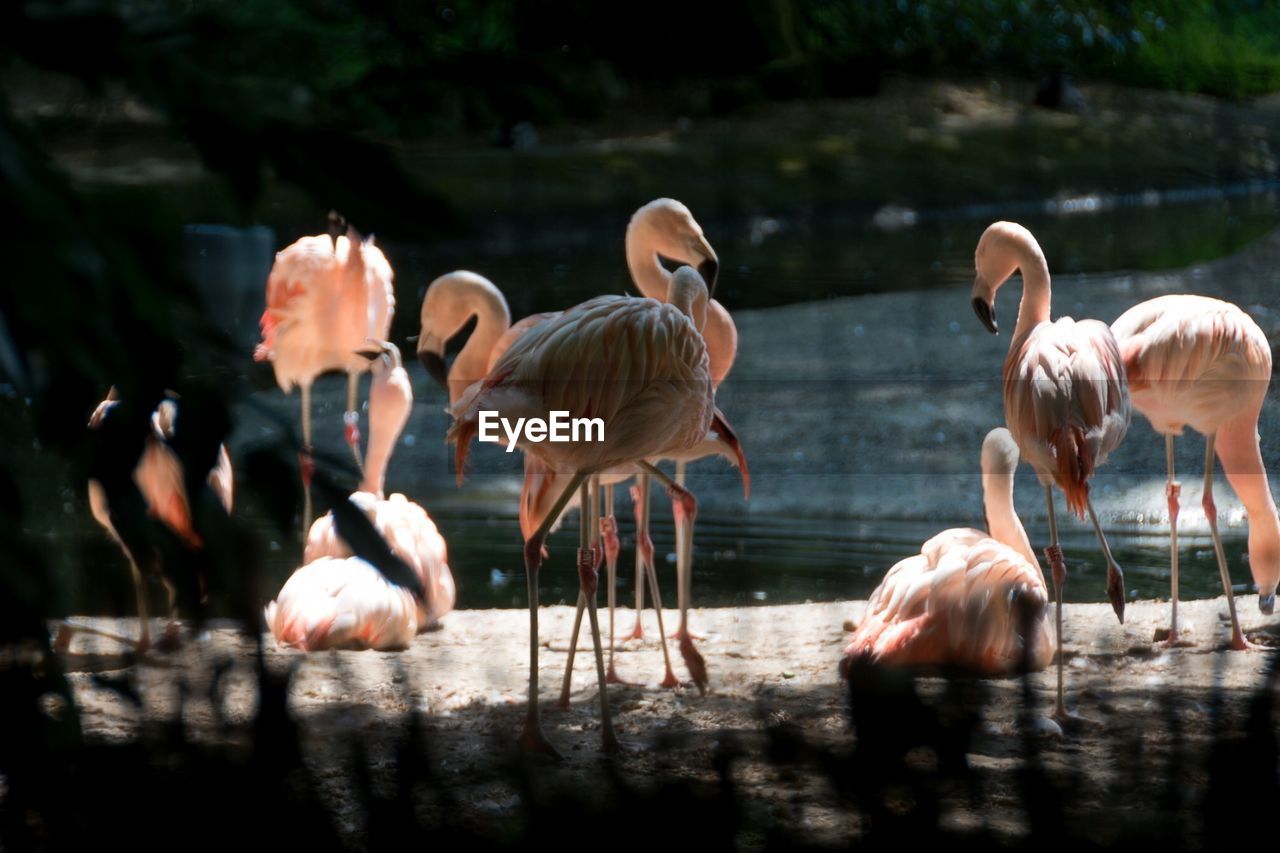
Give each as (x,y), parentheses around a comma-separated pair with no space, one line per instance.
(1065,397)
(638,364)
(665,228)
(1203,363)
(326,299)
(969,599)
(337,600)
(160,479)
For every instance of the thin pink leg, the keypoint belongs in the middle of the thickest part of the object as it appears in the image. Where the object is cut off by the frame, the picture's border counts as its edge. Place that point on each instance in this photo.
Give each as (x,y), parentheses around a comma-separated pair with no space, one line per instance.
(1238,642)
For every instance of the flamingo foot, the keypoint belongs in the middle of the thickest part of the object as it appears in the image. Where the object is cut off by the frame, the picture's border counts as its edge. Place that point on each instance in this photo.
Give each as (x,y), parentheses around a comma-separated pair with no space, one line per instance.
(532,740)
(694,662)
(1171,639)
(683,634)
(62,641)
(611,677)
(637,633)
(171,640)
(670,682)
(1240,644)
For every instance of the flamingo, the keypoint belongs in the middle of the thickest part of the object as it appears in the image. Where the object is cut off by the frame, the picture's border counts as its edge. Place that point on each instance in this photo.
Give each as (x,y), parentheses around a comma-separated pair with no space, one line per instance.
(637,363)
(969,599)
(161,481)
(327,298)
(666,228)
(450,303)
(337,600)
(1203,363)
(1066,401)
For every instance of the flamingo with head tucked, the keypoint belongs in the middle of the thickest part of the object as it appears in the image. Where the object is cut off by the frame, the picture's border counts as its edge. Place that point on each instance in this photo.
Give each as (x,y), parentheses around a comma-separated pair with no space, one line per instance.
(640,365)
(338,600)
(1066,400)
(1203,363)
(327,299)
(969,600)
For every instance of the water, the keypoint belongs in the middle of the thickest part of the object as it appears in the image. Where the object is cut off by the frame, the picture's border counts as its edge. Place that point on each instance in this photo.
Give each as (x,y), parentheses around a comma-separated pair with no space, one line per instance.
(862,391)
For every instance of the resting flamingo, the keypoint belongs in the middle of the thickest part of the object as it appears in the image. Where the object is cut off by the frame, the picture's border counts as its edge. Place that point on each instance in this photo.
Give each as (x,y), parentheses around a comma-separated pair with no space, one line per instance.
(641,366)
(971,600)
(337,600)
(327,298)
(161,481)
(1203,363)
(1065,397)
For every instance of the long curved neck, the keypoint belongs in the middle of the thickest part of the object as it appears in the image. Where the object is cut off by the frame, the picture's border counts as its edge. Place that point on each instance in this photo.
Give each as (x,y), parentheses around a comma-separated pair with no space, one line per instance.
(493,318)
(1237,447)
(721,335)
(390,403)
(650,277)
(1036,296)
(1003,523)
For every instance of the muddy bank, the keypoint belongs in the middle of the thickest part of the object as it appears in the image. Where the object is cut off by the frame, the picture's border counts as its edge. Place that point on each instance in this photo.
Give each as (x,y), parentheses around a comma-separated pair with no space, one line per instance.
(772,669)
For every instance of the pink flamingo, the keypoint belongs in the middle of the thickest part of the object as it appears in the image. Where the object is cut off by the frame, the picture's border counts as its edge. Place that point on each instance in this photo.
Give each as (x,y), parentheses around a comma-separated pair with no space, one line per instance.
(1065,397)
(160,479)
(666,228)
(1203,363)
(640,365)
(327,299)
(337,600)
(969,599)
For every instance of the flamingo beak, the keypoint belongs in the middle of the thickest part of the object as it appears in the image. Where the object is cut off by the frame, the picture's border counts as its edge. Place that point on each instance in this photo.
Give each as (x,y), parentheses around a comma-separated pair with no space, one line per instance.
(986,313)
(435,365)
(710,271)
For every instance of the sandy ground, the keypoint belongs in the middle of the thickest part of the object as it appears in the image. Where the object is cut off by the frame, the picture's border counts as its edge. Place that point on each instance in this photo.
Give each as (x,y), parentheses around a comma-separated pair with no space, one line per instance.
(769,666)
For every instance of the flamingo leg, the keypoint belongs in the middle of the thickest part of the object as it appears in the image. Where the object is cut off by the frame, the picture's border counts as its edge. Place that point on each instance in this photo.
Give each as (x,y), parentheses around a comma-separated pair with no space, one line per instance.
(684,563)
(531,737)
(306,464)
(588,579)
(169,641)
(567,682)
(1172,491)
(644,544)
(609,538)
(1115,577)
(351,421)
(144,624)
(685,508)
(1238,642)
(669,680)
(1058,572)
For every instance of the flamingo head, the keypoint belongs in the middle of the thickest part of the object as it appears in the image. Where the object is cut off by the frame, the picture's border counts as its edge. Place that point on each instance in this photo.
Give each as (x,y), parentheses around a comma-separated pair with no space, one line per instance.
(667,228)
(1002,249)
(452,302)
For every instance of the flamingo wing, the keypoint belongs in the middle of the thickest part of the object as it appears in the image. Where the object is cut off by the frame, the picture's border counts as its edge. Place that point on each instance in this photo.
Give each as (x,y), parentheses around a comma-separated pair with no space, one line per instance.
(1066,402)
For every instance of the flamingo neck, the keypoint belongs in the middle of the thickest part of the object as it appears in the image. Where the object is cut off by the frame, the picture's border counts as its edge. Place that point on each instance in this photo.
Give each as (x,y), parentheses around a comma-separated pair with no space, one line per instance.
(721,335)
(493,318)
(1003,523)
(650,276)
(1036,294)
(1237,447)
(390,403)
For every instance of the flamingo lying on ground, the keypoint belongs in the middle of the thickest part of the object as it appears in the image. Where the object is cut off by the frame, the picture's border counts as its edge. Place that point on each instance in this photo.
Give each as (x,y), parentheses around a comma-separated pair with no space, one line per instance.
(327,298)
(971,600)
(1065,397)
(641,366)
(160,479)
(338,600)
(1203,363)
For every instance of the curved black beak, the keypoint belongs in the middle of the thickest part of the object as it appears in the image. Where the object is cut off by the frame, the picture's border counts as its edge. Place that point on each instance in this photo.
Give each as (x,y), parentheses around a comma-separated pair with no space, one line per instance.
(710,271)
(434,363)
(986,313)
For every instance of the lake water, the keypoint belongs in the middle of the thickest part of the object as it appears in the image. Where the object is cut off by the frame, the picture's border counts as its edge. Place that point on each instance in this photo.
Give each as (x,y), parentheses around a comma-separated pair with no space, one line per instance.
(862,391)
